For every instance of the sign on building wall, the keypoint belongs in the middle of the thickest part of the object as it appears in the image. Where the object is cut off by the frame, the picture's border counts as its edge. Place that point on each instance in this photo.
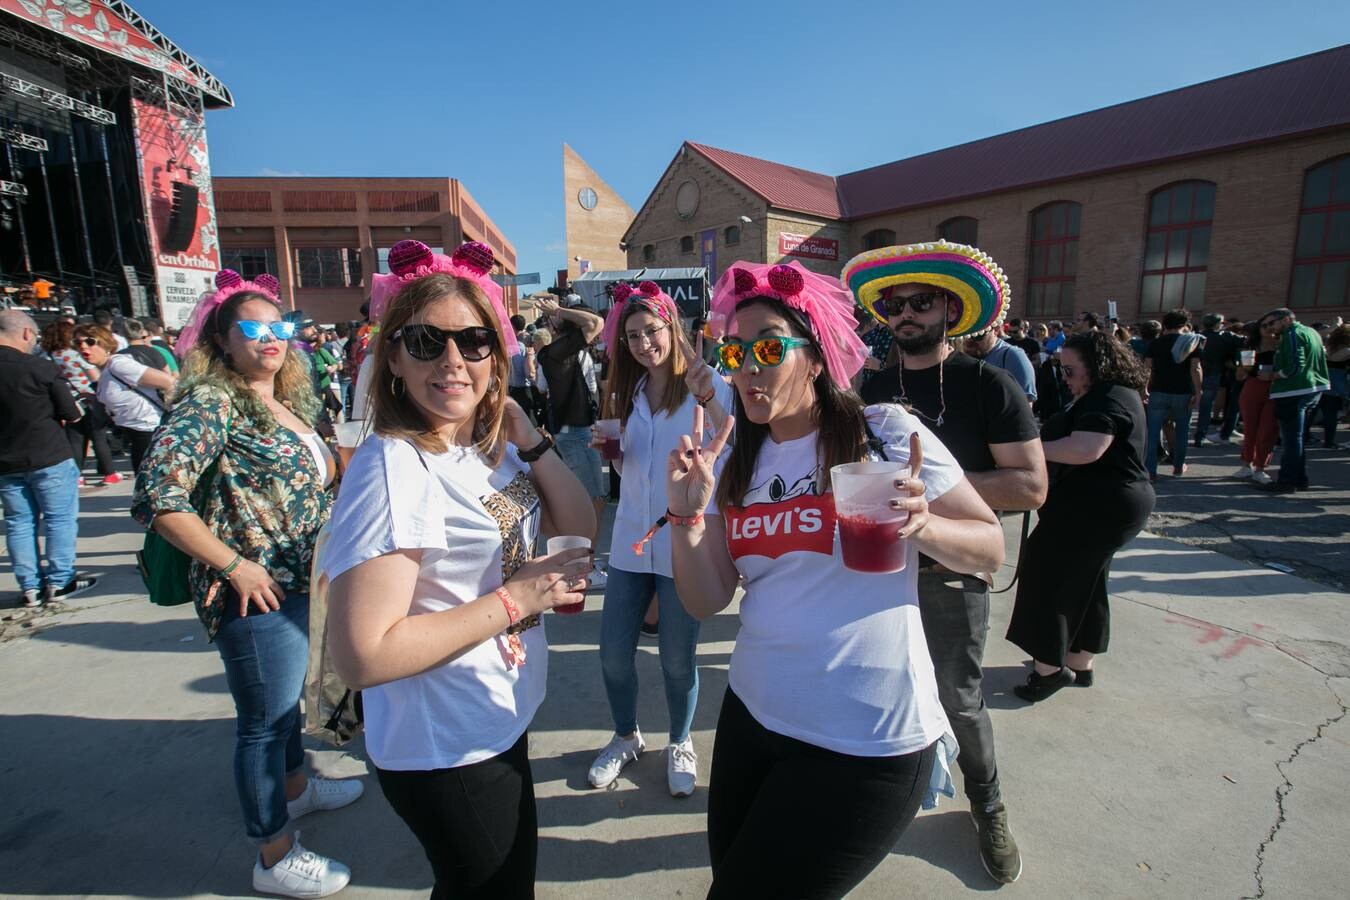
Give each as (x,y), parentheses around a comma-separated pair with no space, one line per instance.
(807,247)
(171,147)
(708,250)
(689,294)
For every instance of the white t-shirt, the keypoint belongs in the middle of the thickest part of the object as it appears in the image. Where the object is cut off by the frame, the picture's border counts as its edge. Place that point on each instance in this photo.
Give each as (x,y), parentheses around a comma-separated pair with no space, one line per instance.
(364,376)
(827,655)
(647,442)
(466,518)
(128,406)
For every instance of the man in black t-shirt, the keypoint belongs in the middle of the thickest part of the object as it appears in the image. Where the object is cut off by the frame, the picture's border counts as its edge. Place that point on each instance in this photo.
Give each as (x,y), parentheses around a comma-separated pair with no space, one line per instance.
(1174,387)
(983,418)
(1218,361)
(571,408)
(1017,336)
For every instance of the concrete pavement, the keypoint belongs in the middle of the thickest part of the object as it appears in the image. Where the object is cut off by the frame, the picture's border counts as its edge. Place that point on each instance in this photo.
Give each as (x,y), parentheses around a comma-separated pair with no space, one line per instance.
(1212,759)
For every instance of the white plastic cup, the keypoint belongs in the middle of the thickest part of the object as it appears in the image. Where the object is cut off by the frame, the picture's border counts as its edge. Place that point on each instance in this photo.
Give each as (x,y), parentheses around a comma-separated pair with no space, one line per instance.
(558,545)
(863,492)
(351,434)
(1248,357)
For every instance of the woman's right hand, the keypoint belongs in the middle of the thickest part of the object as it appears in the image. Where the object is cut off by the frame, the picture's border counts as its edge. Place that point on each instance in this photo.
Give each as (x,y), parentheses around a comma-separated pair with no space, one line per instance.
(255,585)
(689,477)
(550,581)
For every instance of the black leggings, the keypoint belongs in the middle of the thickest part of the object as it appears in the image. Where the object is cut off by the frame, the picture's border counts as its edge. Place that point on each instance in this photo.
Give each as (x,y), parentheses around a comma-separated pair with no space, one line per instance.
(139,442)
(477,823)
(790,819)
(91,429)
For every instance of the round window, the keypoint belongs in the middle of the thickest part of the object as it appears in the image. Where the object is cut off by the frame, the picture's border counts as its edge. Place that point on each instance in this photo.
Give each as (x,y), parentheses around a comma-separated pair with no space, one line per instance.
(686,199)
(587,198)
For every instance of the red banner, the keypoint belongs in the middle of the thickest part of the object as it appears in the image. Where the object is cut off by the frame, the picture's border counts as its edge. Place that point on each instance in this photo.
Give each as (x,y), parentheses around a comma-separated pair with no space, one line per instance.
(807,246)
(91,22)
(171,145)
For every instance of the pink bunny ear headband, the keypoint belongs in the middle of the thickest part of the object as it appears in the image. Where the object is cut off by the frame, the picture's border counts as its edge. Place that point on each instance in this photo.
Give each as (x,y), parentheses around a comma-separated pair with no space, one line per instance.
(647,295)
(826,303)
(228,283)
(411,260)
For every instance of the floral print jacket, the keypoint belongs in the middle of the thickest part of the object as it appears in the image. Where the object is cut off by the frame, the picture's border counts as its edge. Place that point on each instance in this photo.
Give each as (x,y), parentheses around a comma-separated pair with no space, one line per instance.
(265,497)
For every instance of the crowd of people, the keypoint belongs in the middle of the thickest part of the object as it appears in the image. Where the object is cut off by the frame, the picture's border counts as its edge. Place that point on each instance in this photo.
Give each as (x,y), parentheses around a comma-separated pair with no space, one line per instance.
(851,689)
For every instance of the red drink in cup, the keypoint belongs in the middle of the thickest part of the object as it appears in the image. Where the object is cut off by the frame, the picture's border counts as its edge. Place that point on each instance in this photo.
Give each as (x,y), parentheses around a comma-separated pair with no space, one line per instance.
(608,429)
(867,524)
(558,545)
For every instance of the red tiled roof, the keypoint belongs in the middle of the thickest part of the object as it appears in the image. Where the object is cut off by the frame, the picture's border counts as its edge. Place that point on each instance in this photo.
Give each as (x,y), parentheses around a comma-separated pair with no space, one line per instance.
(1298,96)
(782,186)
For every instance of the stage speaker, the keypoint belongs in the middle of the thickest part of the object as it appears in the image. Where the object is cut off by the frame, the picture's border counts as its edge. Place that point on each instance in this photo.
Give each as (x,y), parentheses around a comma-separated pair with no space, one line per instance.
(182,217)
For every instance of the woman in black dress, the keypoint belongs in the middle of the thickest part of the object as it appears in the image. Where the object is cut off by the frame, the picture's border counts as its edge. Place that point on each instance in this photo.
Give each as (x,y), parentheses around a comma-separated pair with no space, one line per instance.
(1100,497)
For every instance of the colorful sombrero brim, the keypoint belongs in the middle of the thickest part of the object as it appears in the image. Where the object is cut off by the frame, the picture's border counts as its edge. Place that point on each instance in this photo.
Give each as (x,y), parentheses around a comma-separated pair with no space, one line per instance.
(968,273)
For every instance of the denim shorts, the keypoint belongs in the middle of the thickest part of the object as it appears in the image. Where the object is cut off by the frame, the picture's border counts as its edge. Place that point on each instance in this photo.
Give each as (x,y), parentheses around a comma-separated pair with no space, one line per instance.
(575,449)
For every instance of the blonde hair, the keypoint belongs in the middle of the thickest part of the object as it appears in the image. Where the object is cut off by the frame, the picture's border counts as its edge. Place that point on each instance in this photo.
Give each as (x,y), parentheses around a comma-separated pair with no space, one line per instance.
(393,412)
(206,363)
(102,336)
(627,371)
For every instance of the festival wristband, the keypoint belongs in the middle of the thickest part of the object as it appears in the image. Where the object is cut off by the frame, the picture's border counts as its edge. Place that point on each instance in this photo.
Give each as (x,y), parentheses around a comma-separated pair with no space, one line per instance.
(512,611)
(705,399)
(684,521)
(234,564)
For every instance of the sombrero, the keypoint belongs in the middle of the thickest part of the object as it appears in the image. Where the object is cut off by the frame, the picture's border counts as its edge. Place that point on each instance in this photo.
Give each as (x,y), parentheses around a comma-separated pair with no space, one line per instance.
(967,273)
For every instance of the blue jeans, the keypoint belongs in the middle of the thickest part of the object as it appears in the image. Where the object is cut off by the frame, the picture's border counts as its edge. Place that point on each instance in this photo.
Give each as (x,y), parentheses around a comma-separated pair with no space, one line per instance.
(627,595)
(52,495)
(265,655)
(1206,410)
(1290,413)
(584,460)
(1161,407)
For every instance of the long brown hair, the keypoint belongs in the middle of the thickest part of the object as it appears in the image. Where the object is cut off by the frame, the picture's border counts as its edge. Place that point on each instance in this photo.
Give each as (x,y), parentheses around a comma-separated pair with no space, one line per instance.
(841,432)
(207,363)
(394,413)
(626,371)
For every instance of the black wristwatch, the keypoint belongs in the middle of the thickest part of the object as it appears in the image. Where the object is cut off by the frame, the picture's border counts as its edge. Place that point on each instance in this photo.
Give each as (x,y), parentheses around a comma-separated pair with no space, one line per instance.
(538,450)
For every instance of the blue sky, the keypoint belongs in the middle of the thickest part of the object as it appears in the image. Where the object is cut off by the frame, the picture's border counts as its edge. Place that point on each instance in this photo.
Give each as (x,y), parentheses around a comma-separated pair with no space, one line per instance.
(488,93)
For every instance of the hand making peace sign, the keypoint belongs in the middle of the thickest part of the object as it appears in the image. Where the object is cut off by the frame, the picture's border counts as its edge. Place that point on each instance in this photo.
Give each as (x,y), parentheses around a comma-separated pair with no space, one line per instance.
(698,374)
(689,478)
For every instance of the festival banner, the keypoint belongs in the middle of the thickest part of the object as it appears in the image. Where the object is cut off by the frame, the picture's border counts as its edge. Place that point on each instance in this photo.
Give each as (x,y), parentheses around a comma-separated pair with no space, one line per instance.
(171,146)
(808,247)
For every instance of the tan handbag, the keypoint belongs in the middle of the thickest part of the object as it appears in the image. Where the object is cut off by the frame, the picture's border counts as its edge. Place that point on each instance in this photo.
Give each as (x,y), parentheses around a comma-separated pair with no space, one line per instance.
(332,710)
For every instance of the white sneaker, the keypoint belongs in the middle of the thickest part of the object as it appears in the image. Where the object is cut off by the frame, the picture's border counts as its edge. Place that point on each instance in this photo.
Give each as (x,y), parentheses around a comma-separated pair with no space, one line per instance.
(598,579)
(325,793)
(681,768)
(1260,477)
(32,599)
(619,752)
(1244,472)
(301,873)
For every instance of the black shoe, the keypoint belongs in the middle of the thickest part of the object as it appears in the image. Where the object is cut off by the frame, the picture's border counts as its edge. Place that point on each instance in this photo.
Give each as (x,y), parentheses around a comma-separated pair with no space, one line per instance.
(651,629)
(1039,687)
(1082,677)
(998,851)
(77,585)
(1277,487)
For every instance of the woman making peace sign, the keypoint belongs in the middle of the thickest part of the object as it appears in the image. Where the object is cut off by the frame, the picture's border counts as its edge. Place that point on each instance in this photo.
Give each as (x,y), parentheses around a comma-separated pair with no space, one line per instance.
(657,381)
(825,743)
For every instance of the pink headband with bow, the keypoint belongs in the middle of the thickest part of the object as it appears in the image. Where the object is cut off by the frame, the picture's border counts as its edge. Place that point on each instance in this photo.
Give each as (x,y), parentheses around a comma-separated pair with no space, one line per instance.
(411,260)
(647,295)
(228,283)
(826,303)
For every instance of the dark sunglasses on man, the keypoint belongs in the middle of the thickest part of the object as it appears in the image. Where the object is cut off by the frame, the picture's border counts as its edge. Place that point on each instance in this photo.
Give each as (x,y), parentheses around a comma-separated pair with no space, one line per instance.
(892,305)
(427,342)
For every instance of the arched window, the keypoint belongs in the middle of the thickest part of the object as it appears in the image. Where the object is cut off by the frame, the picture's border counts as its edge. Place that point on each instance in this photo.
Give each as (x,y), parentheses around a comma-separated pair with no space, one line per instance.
(731,235)
(1176,249)
(878,238)
(648,252)
(687,244)
(959,230)
(1053,265)
(1322,253)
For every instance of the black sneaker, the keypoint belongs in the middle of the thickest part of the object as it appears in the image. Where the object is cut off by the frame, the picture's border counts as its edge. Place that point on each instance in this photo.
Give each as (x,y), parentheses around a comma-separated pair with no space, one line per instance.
(998,850)
(77,585)
(651,629)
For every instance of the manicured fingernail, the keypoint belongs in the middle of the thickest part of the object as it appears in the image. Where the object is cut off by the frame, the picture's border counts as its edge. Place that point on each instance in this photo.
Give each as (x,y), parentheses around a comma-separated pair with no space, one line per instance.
(899,482)
(895,504)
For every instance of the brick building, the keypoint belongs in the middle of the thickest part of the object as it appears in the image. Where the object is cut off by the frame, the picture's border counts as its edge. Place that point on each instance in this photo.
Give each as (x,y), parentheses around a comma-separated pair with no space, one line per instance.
(595,216)
(1232,196)
(320,236)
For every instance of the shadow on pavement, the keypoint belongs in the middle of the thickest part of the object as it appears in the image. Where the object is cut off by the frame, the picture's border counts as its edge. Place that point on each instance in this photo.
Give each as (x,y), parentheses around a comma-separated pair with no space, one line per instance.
(946,840)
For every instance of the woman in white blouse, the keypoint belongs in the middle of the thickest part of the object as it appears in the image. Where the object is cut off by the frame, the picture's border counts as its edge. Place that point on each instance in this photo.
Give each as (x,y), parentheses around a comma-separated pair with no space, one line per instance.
(656,379)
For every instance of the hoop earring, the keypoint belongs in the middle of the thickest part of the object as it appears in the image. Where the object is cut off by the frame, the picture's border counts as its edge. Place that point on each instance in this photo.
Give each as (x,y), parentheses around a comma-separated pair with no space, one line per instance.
(493,384)
(393,390)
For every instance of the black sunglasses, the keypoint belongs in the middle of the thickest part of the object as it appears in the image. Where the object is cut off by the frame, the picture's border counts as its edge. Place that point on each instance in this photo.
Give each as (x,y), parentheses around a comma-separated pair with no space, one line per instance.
(920,303)
(427,342)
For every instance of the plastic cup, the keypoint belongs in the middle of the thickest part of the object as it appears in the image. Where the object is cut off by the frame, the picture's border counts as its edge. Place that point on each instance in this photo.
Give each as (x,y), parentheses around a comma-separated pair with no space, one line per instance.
(867,524)
(608,429)
(1249,357)
(349,437)
(558,545)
